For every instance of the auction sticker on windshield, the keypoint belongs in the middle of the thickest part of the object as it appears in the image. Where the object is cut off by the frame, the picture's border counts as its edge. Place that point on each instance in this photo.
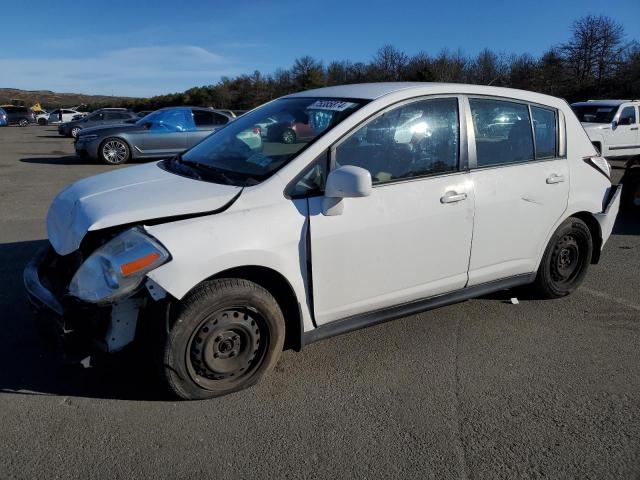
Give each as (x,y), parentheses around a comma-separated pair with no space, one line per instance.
(335,105)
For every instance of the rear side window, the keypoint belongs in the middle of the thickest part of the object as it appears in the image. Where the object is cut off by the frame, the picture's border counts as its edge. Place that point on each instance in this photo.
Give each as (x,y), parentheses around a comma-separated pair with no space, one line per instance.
(503,132)
(413,140)
(544,125)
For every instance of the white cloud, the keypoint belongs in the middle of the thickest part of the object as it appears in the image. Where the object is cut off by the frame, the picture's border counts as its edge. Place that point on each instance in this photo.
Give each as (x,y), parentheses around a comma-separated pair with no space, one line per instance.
(135,71)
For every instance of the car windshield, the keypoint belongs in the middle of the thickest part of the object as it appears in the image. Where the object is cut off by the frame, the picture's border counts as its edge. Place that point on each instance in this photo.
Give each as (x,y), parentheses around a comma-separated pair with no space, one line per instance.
(251,148)
(595,113)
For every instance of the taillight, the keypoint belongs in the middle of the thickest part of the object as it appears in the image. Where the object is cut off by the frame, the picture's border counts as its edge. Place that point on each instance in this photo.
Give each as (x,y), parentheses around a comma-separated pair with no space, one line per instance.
(600,164)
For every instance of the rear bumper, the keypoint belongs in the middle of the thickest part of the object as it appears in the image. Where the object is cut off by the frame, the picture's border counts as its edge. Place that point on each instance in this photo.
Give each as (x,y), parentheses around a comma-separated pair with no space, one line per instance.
(607,218)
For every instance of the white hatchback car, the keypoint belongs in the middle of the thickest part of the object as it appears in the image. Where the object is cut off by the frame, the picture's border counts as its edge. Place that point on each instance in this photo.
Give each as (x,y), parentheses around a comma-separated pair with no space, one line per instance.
(409,196)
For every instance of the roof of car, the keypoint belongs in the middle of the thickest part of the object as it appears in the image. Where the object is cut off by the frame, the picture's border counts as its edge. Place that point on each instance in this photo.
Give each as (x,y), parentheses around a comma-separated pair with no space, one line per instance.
(599,102)
(372,91)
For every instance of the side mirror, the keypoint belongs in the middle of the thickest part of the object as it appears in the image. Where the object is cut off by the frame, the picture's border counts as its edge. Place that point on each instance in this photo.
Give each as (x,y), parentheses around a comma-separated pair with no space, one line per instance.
(614,124)
(345,182)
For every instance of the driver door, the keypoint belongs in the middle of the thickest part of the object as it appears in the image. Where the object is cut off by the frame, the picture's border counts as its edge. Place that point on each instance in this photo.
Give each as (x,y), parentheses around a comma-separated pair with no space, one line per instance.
(624,136)
(411,238)
(167,135)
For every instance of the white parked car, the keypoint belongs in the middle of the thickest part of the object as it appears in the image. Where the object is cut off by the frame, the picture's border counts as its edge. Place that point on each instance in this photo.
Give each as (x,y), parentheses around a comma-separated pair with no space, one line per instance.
(63,115)
(42,117)
(223,256)
(612,125)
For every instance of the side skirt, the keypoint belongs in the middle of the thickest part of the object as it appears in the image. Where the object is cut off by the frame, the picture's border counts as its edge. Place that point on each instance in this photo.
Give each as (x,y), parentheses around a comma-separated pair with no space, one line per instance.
(357,322)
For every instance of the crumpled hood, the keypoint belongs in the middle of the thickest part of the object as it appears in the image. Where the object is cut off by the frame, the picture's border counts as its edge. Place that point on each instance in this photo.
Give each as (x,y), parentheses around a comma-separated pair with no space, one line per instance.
(128,195)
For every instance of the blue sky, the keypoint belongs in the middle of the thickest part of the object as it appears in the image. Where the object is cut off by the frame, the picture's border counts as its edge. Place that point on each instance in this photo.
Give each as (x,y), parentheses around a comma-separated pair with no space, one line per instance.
(143,48)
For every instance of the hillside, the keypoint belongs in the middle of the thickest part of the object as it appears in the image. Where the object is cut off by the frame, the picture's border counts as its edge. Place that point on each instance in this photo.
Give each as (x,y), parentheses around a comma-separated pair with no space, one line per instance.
(49,99)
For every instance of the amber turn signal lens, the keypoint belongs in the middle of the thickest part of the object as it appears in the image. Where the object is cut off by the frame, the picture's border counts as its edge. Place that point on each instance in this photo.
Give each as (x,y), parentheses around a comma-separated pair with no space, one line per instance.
(135,266)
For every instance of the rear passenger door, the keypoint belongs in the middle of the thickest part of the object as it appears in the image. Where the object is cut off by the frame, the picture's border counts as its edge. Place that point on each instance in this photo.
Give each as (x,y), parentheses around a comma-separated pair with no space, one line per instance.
(205,123)
(521,185)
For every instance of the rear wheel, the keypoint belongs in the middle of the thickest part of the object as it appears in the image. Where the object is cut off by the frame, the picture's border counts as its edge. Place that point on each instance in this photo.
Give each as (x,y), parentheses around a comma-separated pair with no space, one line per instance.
(42,121)
(23,122)
(227,335)
(114,151)
(565,261)
(288,136)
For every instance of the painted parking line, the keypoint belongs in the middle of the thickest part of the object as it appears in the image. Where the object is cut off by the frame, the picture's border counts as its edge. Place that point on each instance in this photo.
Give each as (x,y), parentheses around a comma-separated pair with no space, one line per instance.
(618,300)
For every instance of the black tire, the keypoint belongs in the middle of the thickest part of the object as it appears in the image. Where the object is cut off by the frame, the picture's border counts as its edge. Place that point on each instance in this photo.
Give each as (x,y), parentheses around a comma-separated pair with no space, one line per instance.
(226,336)
(114,159)
(74,132)
(42,122)
(23,122)
(630,199)
(565,261)
(288,136)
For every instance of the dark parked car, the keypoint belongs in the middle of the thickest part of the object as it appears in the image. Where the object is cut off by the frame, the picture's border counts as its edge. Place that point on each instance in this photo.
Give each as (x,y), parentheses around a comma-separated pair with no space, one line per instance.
(19,116)
(289,128)
(161,134)
(104,116)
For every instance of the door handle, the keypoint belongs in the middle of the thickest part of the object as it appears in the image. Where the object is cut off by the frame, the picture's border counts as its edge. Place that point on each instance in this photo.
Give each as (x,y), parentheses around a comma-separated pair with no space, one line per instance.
(553,178)
(451,197)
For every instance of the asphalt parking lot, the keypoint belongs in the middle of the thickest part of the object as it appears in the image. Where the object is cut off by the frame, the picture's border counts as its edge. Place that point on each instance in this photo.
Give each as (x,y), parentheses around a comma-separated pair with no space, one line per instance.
(481,389)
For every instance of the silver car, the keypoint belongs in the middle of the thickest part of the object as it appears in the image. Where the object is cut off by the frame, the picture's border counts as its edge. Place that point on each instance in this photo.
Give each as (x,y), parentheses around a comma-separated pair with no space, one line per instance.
(161,134)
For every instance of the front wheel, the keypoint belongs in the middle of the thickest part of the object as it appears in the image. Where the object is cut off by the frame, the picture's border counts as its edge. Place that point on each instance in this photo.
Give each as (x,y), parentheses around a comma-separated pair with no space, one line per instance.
(565,261)
(114,151)
(226,336)
(23,122)
(75,131)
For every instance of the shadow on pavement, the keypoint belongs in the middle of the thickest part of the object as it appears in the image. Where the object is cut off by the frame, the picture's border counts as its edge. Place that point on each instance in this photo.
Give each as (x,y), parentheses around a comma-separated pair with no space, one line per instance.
(63,160)
(28,366)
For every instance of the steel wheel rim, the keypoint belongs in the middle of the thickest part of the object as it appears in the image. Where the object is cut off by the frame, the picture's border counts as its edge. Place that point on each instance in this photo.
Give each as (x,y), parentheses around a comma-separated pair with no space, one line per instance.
(566,261)
(74,131)
(114,151)
(228,345)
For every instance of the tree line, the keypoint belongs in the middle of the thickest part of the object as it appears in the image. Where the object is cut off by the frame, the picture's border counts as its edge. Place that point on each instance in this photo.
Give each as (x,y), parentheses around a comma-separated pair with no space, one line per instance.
(598,61)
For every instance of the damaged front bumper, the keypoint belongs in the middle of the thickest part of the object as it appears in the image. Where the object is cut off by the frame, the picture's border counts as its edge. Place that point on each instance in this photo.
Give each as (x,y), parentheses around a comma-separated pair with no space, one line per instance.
(75,328)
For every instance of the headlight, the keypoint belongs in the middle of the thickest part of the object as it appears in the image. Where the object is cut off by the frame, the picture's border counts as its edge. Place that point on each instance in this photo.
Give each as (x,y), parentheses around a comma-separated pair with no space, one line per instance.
(118,267)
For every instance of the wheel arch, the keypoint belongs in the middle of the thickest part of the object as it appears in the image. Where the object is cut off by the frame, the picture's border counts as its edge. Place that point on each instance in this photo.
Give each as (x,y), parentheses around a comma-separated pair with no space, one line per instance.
(278,286)
(594,229)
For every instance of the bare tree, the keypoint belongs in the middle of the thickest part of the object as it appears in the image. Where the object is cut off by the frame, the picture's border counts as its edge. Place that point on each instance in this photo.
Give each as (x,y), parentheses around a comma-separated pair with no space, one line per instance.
(388,64)
(593,52)
(307,73)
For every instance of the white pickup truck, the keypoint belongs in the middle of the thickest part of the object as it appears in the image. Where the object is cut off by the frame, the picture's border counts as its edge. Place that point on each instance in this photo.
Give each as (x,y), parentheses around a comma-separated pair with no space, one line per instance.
(612,127)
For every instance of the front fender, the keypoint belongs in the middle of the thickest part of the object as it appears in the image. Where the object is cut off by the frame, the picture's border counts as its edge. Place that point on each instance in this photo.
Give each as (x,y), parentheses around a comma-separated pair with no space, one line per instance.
(272,236)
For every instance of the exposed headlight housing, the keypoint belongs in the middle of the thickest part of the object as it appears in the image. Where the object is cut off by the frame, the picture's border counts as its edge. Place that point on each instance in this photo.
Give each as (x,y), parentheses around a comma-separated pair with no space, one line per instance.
(118,267)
